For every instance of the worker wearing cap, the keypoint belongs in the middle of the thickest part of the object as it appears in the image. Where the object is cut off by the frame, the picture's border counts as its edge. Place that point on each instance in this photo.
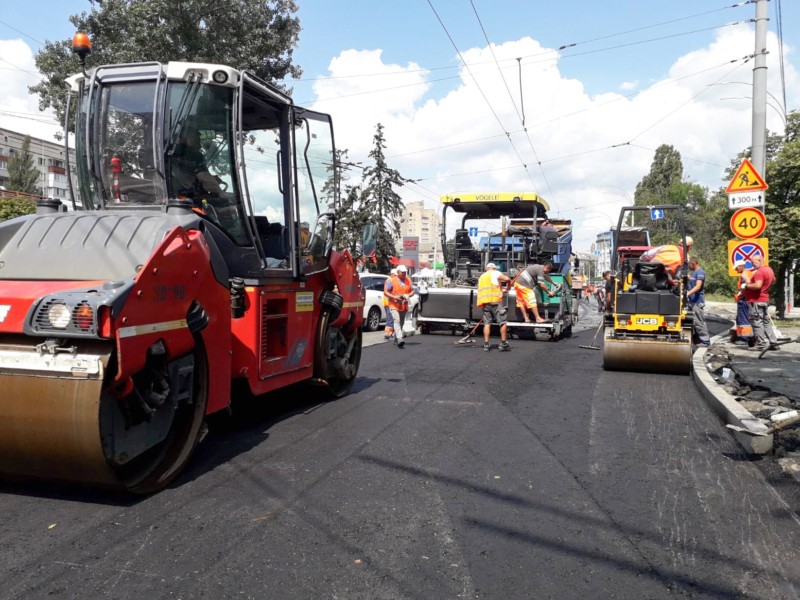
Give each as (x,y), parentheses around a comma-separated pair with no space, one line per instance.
(398,290)
(490,298)
(744,330)
(388,330)
(525,284)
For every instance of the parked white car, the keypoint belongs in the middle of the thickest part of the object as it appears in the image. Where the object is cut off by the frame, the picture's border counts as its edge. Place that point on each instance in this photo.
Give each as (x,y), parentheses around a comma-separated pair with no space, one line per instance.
(374,314)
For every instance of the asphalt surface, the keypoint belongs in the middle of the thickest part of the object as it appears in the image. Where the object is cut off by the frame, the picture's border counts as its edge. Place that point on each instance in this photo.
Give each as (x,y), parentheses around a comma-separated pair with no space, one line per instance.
(448,473)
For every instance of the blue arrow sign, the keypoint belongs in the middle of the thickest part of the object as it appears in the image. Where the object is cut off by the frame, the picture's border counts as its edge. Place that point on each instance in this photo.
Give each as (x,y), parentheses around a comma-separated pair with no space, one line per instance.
(656,213)
(473,232)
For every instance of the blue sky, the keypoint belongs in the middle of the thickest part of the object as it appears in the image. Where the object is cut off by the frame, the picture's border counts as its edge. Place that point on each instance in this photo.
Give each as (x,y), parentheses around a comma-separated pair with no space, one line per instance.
(641,73)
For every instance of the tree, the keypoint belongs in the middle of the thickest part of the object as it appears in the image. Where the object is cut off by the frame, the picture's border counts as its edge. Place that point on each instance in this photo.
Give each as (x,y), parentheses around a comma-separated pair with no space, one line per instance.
(346,202)
(16,206)
(351,218)
(22,174)
(257,35)
(665,171)
(381,202)
(664,184)
(783,206)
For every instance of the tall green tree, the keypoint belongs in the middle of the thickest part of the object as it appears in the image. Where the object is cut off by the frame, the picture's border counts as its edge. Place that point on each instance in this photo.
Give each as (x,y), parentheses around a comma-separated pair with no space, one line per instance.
(346,202)
(23,176)
(665,171)
(381,201)
(257,35)
(664,184)
(782,206)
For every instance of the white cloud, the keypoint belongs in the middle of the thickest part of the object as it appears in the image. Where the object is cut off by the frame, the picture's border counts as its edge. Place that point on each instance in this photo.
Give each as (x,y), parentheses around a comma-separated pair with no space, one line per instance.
(571,132)
(19,110)
(628,86)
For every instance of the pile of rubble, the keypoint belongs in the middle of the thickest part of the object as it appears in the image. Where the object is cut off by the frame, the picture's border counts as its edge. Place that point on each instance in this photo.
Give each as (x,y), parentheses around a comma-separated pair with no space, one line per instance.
(768,388)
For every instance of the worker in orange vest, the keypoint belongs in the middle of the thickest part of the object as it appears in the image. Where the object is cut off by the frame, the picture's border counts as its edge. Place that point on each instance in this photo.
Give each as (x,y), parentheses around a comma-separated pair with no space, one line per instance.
(490,298)
(388,330)
(398,290)
(669,255)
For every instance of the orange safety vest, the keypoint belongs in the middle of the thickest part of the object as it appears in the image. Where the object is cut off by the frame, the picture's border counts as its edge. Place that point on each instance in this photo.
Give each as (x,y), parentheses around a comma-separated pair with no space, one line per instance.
(399,288)
(488,292)
(670,255)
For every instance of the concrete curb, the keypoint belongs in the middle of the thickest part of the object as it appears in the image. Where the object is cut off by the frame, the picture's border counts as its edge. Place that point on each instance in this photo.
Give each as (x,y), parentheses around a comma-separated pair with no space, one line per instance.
(726,406)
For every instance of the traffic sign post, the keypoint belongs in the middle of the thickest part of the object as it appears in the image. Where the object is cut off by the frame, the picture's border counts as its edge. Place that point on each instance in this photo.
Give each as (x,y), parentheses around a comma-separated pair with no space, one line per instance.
(746,187)
(748,223)
(745,250)
(746,179)
(656,213)
(742,199)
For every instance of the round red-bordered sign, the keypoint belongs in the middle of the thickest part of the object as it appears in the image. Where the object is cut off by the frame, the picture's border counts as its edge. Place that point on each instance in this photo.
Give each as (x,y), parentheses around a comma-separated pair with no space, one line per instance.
(748,223)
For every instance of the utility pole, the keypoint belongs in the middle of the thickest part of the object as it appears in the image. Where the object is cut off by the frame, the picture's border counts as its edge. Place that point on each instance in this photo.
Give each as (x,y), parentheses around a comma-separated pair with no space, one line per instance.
(759,132)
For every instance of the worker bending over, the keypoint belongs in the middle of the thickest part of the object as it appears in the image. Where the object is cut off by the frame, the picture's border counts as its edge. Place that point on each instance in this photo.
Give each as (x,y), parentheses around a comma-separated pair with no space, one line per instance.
(669,255)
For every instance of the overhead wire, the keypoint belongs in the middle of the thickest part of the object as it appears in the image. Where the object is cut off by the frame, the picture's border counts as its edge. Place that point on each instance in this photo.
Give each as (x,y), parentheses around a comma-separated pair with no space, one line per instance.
(468,65)
(618,98)
(560,47)
(489,104)
(551,196)
(680,106)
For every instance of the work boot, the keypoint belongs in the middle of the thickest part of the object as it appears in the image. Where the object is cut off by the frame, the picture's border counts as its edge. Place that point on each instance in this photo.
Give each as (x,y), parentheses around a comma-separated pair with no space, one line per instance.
(504,347)
(486,347)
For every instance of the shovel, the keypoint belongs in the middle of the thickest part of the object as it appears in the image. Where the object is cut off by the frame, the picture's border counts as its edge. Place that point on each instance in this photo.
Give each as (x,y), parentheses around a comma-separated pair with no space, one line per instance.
(467,339)
(593,345)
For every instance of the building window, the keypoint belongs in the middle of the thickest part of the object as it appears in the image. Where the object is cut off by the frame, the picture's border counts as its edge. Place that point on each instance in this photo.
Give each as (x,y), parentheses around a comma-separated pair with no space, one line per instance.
(3,164)
(41,161)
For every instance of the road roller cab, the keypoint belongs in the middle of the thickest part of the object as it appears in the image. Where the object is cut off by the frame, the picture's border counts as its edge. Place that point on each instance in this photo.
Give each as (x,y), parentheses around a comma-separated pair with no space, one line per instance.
(649,328)
(198,251)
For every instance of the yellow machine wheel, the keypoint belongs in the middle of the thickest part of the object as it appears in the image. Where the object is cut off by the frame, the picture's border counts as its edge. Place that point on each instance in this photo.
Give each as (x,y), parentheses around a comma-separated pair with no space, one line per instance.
(647,355)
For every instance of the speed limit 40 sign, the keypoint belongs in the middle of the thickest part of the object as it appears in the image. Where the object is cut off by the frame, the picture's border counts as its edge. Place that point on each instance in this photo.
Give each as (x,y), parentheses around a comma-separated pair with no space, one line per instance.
(748,223)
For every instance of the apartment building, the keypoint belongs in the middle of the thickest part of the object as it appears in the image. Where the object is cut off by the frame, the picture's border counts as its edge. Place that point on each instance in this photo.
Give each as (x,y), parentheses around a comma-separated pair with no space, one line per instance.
(422,223)
(48,157)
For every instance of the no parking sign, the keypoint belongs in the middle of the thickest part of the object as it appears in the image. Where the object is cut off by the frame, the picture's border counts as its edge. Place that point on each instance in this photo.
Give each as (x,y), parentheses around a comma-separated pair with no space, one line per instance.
(745,250)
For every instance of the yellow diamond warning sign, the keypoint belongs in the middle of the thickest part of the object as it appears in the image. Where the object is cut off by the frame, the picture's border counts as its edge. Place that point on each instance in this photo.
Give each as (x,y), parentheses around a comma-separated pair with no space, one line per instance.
(746,179)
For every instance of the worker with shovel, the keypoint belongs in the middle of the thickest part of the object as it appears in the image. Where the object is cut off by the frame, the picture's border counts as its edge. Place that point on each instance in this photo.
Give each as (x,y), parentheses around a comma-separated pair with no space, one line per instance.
(490,300)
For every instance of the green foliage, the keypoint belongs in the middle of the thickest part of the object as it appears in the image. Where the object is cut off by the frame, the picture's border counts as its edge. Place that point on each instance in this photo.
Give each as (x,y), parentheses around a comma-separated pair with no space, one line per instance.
(381,201)
(23,176)
(783,204)
(16,206)
(347,204)
(665,171)
(257,35)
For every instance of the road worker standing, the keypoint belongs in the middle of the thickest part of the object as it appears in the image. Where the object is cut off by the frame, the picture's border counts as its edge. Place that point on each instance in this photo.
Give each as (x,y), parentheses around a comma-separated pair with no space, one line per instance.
(490,299)
(398,289)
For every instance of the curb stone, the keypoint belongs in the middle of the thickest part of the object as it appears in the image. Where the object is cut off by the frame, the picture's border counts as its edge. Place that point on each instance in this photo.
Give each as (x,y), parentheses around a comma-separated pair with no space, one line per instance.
(727,407)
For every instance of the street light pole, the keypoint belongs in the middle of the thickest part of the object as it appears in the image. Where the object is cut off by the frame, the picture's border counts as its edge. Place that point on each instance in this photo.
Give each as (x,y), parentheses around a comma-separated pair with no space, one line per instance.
(759,131)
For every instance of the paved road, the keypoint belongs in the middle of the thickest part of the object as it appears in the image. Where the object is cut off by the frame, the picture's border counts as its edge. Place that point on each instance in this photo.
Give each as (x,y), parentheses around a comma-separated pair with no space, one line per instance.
(449,473)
